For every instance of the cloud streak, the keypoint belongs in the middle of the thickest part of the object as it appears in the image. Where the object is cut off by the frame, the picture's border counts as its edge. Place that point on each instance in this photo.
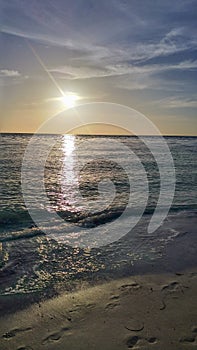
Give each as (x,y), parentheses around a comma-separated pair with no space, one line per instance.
(8,73)
(172,102)
(85,72)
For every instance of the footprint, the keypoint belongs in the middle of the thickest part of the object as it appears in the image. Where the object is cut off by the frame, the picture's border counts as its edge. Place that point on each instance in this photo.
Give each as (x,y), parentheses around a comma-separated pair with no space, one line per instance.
(25,348)
(134,325)
(130,287)
(194,329)
(163,306)
(172,287)
(132,341)
(193,274)
(14,332)
(187,340)
(52,337)
(90,306)
(55,336)
(173,290)
(152,340)
(114,297)
(73,310)
(111,306)
(76,308)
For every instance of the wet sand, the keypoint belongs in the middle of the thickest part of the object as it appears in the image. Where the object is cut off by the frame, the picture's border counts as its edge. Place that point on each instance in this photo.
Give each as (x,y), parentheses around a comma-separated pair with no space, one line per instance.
(140,312)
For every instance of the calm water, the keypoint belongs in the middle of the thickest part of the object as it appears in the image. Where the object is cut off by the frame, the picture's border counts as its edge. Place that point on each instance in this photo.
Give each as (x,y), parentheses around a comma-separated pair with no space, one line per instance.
(31,261)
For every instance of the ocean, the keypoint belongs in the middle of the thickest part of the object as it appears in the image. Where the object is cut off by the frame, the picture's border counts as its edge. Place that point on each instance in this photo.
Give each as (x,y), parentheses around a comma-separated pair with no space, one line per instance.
(32,261)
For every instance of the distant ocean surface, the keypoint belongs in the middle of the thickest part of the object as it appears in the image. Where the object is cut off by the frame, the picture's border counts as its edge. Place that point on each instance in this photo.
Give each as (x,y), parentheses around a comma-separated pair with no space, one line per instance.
(31,262)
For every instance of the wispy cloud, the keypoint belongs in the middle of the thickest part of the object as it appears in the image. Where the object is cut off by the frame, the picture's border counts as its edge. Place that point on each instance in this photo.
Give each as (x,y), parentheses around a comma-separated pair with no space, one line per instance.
(38,37)
(10,77)
(8,73)
(174,102)
(121,69)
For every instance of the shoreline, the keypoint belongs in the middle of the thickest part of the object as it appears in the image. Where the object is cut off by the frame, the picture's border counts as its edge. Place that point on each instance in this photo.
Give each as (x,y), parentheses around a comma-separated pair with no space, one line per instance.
(178,258)
(145,312)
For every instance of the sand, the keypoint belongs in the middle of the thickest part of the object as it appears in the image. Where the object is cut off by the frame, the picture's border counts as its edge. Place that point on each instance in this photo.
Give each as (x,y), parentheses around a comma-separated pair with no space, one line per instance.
(141,312)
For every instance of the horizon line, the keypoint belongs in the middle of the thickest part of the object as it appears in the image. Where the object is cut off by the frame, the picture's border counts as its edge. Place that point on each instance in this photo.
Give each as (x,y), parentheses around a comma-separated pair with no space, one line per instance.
(99,135)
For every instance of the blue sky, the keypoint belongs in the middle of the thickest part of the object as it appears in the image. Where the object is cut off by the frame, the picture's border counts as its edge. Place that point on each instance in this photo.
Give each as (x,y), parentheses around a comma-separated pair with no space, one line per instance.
(140,53)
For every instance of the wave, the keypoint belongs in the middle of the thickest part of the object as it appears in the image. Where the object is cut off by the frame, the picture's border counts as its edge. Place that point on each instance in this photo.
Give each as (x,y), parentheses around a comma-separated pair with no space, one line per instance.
(14,217)
(18,225)
(21,217)
(18,235)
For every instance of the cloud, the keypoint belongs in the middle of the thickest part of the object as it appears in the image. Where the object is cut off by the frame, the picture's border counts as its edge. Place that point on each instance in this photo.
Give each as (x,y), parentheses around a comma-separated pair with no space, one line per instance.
(7,73)
(121,69)
(116,44)
(82,72)
(11,77)
(38,37)
(174,102)
(123,26)
(121,59)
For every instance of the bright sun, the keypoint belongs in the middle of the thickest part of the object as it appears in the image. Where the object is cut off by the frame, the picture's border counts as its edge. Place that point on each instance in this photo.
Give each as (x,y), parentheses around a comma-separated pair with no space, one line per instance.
(69,99)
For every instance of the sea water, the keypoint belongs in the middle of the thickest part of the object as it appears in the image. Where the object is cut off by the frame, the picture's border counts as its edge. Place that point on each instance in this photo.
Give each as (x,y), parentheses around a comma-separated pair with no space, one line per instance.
(32,261)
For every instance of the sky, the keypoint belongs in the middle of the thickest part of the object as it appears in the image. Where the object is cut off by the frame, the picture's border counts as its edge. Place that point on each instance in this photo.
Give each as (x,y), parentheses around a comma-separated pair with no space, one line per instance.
(138,53)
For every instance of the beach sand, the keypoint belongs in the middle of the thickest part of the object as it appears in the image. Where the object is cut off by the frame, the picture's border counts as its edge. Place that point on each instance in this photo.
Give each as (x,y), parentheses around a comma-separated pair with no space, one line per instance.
(140,312)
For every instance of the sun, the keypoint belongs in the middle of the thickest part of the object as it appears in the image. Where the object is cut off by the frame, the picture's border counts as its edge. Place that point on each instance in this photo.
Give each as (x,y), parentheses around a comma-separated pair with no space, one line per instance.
(69,99)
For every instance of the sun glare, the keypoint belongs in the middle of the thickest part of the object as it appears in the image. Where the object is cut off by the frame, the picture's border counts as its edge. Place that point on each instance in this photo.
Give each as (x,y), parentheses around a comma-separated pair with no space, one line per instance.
(69,99)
